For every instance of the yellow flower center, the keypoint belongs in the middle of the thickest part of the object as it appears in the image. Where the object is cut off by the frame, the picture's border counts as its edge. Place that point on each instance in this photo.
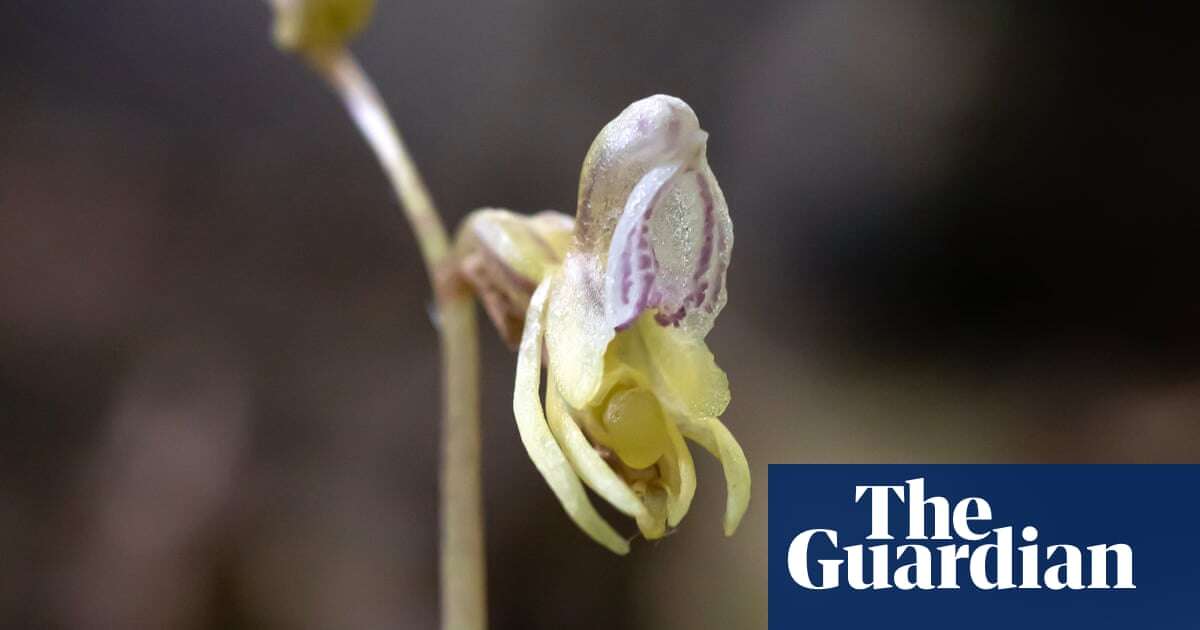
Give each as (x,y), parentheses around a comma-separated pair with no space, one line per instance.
(636,427)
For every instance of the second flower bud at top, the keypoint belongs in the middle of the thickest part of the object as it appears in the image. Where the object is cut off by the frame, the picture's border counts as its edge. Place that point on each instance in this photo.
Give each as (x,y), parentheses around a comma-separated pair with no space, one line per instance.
(319,25)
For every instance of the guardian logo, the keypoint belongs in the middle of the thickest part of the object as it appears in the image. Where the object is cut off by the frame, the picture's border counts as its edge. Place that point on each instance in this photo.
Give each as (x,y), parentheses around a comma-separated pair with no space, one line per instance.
(984,552)
(982,546)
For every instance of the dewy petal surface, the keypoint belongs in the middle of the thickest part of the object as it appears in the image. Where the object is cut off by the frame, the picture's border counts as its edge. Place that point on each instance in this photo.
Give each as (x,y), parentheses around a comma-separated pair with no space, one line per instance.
(538,440)
(576,332)
(670,250)
(651,132)
(716,439)
(592,468)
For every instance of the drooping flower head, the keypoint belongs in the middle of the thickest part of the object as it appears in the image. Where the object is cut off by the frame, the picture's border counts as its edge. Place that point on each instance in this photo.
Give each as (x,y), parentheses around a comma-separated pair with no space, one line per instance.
(620,319)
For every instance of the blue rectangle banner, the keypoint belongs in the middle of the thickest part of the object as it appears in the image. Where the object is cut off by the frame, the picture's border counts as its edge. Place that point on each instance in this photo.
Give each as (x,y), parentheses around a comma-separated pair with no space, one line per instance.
(983,546)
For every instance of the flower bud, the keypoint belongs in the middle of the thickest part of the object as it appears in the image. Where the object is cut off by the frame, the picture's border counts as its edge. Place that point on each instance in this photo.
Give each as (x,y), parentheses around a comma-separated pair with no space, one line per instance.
(504,256)
(316,25)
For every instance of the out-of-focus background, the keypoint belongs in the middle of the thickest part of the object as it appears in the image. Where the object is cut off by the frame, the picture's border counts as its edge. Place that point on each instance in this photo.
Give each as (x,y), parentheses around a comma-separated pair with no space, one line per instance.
(966,232)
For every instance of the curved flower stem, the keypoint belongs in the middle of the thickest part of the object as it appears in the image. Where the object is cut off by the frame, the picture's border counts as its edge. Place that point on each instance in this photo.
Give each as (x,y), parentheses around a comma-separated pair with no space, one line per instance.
(463,599)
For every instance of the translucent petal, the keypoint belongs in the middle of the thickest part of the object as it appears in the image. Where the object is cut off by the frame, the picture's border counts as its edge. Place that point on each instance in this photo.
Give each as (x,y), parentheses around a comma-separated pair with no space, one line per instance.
(716,439)
(632,266)
(649,133)
(539,441)
(670,250)
(576,333)
(679,473)
(592,468)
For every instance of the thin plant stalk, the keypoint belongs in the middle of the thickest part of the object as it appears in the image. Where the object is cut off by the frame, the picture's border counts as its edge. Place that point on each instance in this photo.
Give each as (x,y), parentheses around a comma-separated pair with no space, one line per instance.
(463,599)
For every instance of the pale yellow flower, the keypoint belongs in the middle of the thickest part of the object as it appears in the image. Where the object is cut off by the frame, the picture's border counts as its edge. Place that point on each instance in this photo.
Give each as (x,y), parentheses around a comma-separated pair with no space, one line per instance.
(620,319)
(319,25)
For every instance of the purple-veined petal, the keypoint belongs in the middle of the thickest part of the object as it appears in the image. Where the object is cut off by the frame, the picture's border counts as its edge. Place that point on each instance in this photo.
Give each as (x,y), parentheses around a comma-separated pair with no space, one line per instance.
(649,133)
(670,250)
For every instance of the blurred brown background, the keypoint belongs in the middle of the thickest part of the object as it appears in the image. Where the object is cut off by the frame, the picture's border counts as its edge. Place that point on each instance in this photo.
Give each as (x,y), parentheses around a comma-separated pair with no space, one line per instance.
(965,232)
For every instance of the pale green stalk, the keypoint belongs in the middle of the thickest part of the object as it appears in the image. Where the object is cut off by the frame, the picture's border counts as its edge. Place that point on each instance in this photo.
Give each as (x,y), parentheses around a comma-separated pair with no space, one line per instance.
(463,598)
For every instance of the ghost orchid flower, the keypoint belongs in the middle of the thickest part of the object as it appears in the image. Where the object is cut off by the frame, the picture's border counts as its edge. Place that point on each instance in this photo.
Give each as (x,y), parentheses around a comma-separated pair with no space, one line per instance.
(620,320)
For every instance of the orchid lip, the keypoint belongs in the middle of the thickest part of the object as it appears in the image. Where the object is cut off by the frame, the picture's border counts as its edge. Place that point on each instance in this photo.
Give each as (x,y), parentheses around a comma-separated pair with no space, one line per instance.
(635,269)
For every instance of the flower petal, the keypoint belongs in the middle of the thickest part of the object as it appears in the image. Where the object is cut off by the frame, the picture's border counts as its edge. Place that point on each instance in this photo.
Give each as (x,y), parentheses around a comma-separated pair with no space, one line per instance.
(576,335)
(592,468)
(670,249)
(678,367)
(649,133)
(632,270)
(716,439)
(679,472)
(539,441)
